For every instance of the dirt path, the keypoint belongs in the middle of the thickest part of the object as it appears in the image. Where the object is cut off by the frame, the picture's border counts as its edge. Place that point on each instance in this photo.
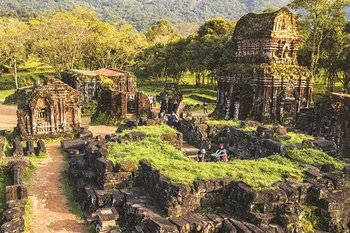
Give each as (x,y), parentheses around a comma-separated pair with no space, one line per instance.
(50,212)
(8,116)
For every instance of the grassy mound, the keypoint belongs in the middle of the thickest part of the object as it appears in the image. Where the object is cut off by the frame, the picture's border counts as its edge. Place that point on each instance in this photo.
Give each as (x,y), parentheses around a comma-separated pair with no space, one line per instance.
(259,174)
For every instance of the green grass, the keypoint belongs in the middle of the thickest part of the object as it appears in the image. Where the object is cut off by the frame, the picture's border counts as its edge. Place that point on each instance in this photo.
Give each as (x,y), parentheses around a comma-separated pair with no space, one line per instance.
(193,96)
(229,123)
(311,156)
(296,138)
(7,82)
(5,93)
(261,173)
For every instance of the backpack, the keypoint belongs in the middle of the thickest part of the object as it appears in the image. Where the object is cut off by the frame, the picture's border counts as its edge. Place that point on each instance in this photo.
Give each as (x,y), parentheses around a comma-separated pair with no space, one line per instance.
(175,119)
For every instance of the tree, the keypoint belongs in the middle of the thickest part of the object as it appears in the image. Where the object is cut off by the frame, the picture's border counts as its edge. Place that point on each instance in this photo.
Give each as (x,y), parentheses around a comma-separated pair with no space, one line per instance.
(161,32)
(335,55)
(109,46)
(59,38)
(205,51)
(14,36)
(319,15)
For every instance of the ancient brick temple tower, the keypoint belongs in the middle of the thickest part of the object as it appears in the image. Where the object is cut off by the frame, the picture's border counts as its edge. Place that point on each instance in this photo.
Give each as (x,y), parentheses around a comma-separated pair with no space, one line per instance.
(264,82)
(52,110)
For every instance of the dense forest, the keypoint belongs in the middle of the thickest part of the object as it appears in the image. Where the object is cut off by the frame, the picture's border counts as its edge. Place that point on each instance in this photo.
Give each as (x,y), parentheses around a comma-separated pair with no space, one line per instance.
(186,15)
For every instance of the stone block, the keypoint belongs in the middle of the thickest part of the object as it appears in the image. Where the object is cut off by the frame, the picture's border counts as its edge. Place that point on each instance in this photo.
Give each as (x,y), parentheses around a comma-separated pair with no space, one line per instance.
(78,144)
(291,192)
(253,228)
(302,190)
(14,192)
(241,228)
(15,203)
(30,148)
(228,227)
(259,218)
(41,148)
(126,166)
(118,198)
(103,198)
(106,219)
(264,132)
(102,152)
(280,130)
(206,224)
(338,182)
(315,192)
(182,225)
(90,199)
(78,162)
(160,225)
(328,167)
(193,221)
(325,145)
(270,196)
(17,148)
(216,219)
(89,176)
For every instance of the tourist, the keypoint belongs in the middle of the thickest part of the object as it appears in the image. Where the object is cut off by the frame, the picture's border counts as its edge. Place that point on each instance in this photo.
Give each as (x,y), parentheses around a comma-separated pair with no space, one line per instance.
(201,155)
(175,120)
(166,118)
(220,153)
(205,107)
(154,101)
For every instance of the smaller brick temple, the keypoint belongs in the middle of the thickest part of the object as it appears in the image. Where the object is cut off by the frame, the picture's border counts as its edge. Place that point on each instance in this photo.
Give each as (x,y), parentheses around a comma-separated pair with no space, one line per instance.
(115,91)
(264,81)
(89,81)
(52,110)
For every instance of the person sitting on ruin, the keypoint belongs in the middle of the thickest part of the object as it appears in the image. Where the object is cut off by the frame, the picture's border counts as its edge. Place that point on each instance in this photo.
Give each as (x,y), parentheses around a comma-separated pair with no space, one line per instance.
(221,153)
(201,155)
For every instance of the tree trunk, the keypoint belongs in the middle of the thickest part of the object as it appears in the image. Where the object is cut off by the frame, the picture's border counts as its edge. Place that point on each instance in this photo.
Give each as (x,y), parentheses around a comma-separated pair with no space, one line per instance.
(15,71)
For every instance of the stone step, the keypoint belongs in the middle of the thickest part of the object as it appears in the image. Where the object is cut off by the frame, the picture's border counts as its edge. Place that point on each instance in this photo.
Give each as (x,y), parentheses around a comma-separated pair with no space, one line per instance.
(189,151)
(138,206)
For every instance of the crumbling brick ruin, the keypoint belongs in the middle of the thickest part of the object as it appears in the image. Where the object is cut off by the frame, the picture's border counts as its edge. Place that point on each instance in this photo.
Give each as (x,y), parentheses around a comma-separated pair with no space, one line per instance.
(52,110)
(115,91)
(265,81)
(144,200)
(329,119)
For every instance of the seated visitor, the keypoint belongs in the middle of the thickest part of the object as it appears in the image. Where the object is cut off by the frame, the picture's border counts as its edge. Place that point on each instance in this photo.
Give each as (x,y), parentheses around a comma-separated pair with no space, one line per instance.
(201,155)
(221,153)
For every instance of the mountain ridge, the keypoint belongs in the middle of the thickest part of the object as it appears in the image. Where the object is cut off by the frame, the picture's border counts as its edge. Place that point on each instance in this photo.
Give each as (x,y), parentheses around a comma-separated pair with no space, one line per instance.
(143,13)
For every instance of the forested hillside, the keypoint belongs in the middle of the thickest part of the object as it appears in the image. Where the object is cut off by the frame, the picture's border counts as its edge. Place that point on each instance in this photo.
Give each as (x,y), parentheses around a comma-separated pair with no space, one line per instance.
(143,13)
